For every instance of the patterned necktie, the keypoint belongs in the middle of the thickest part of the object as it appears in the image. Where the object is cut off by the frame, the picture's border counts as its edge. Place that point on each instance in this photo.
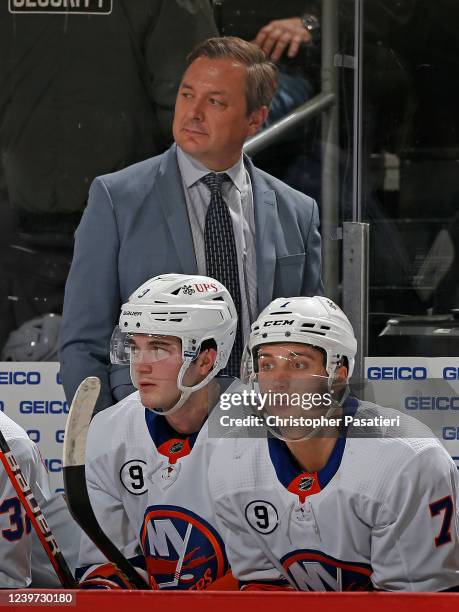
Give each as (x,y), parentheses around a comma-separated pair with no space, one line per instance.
(221,257)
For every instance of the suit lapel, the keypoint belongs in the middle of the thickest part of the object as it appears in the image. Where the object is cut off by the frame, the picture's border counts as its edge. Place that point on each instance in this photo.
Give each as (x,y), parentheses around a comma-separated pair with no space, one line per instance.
(169,189)
(264,203)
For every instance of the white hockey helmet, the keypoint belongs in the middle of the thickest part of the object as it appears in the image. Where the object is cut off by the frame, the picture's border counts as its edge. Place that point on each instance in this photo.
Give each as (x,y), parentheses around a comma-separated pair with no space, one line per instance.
(192,308)
(316,321)
(34,340)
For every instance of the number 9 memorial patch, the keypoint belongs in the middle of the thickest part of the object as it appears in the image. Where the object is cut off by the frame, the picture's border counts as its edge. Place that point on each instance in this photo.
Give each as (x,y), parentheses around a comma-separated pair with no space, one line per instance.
(132,477)
(262,516)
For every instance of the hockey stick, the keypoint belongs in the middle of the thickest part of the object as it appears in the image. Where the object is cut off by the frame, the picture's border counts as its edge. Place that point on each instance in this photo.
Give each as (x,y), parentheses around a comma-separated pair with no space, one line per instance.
(33,511)
(76,431)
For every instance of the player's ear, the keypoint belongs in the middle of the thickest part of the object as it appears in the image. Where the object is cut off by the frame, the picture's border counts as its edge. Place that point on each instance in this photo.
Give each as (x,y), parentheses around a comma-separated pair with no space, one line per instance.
(341,374)
(206,360)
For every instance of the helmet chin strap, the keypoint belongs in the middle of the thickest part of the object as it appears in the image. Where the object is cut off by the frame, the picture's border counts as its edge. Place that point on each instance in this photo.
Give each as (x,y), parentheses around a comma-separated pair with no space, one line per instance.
(185,392)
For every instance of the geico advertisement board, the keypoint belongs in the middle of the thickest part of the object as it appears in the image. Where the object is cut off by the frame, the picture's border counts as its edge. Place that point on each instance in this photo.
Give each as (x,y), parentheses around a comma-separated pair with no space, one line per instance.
(32,395)
(426,388)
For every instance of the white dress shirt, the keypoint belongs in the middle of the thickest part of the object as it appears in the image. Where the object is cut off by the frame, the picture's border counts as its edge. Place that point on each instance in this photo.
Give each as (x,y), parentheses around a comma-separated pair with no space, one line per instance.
(237,194)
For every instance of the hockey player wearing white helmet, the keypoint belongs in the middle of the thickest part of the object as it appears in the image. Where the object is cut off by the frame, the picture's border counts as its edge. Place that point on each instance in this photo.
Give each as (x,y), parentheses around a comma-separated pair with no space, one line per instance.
(301,352)
(175,328)
(352,497)
(148,481)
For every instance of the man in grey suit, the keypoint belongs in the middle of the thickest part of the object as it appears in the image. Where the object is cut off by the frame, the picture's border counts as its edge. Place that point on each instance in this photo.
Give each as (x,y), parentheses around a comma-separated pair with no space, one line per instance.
(200,208)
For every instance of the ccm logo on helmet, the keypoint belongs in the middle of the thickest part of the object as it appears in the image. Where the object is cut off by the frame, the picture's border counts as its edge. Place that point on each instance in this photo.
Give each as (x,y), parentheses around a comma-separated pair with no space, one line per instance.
(132,314)
(271,323)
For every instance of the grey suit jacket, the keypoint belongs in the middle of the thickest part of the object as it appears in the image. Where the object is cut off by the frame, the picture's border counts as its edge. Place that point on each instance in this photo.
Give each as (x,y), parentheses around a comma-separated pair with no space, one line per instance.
(136,226)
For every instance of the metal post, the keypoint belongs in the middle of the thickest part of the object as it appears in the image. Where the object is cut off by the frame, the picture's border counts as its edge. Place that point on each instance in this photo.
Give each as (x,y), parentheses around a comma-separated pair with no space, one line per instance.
(355,284)
(357,138)
(330,152)
(355,233)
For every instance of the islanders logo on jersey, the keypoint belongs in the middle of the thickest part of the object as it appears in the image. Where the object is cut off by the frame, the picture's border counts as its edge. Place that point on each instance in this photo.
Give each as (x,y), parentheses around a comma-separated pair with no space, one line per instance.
(182,550)
(312,570)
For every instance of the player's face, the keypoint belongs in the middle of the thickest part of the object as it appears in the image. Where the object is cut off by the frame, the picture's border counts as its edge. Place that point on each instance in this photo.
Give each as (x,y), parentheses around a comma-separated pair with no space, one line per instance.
(155,364)
(287,366)
(295,381)
(211,121)
(294,370)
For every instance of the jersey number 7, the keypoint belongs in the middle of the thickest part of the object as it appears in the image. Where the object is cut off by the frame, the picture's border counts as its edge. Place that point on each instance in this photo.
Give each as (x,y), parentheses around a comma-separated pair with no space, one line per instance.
(445,504)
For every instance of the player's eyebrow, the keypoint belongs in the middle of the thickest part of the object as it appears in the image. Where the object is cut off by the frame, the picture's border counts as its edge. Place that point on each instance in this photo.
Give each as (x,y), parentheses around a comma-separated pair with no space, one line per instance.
(290,354)
(161,342)
(300,353)
(156,342)
(269,354)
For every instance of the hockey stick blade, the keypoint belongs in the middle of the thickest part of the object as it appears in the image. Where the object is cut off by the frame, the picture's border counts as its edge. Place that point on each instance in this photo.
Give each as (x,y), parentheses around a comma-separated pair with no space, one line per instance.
(76,432)
(35,514)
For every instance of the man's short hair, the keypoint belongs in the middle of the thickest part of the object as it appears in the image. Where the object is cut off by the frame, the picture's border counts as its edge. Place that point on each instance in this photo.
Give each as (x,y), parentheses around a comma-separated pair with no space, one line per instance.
(261,81)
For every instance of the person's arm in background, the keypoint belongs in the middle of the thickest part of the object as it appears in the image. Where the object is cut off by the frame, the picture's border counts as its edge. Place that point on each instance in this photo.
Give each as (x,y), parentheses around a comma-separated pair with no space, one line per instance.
(284,37)
(179,28)
(92,298)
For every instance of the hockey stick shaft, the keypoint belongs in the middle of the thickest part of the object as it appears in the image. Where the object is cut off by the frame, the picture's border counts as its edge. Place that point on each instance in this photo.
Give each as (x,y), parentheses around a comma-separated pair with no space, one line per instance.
(82,512)
(33,511)
(76,490)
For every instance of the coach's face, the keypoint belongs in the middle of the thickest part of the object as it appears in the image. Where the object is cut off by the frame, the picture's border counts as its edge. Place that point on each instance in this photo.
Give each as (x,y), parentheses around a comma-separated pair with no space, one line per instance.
(211,121)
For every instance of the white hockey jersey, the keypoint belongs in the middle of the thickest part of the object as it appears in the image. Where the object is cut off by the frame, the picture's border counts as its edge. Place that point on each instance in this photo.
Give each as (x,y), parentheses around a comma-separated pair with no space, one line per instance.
(148,486)
(381,514)
(15,527)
